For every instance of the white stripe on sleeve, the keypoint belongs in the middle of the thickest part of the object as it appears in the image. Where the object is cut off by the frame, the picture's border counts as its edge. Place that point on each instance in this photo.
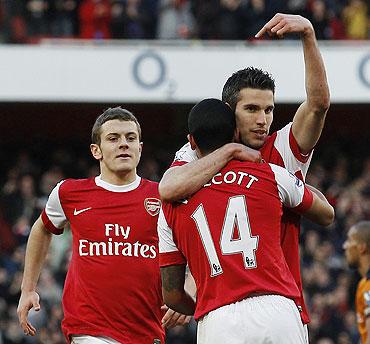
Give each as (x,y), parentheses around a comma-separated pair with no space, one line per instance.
(186,154)
(282,144)
(290,188)
(54,209)
(166,243)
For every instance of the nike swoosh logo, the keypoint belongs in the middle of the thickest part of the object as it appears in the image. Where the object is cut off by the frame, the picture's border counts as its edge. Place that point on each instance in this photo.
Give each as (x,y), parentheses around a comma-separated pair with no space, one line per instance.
(77,212)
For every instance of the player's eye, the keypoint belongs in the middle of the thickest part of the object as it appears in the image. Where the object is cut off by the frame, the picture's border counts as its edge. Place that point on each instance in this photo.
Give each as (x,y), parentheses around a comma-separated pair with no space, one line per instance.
(269,110)
(251,108)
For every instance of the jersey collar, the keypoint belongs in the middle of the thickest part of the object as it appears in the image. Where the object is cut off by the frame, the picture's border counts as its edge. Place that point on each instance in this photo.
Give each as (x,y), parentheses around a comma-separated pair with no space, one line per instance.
(118,188)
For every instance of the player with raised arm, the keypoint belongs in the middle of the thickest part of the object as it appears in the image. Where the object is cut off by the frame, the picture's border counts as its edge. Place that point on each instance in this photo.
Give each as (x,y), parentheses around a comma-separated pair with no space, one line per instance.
(250,93)
(229,234)
(113,219)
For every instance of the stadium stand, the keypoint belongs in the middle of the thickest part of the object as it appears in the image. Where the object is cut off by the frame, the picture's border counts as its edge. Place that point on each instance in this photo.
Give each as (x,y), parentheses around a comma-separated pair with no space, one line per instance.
(32,20)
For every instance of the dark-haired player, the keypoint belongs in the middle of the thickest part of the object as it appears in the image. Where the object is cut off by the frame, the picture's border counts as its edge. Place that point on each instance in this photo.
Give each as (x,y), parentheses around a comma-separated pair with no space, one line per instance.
(112,292)
(357,251)
(229,234)
(250,93)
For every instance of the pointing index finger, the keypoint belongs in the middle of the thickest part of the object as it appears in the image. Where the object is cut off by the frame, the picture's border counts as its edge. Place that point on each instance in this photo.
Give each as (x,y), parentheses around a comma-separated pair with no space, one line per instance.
(268,26)
(261,32)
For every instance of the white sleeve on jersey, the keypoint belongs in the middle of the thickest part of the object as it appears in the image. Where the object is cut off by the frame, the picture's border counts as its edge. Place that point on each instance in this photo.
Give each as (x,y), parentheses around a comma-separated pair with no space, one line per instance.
(166,243)
(54,210)
(282,145)
(186,154)
(290,188)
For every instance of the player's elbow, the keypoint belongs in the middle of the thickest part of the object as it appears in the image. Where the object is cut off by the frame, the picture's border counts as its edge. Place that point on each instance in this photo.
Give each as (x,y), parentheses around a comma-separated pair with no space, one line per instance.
(321,104)
(172,300)
(328,216)
(167,192)
(325,103)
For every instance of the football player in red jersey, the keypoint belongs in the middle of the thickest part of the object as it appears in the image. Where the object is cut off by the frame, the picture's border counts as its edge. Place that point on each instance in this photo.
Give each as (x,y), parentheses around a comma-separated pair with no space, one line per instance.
(113,219)
(250,93)
(357,250)
(229,234)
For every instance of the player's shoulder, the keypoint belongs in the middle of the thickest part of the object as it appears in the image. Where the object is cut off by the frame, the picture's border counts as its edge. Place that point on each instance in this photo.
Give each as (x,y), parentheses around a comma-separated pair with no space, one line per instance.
(245,166)
(364,283)
(185,154)
(363,289)
(279,135)
(71,184)
(147,185)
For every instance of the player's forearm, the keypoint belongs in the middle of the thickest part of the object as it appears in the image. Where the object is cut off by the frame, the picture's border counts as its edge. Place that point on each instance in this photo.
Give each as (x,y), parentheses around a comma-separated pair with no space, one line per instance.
(181,182)
(190,286)
(310,117)
(317,89)
(318,193)
(181,302)
(37,248)
(321,212)
(174,295)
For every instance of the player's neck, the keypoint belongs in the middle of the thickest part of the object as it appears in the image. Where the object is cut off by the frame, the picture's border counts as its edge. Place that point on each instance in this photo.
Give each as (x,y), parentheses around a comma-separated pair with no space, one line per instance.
(364,265)
(123,178)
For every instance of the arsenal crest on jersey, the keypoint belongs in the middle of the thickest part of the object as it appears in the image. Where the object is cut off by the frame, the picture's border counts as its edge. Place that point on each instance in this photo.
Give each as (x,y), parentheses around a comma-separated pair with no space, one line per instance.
(152,206)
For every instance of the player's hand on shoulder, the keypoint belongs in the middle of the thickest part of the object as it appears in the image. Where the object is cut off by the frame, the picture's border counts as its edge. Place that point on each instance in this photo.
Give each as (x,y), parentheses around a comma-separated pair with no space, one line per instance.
(172,318)
(245,153)
(27,301)
(281,24)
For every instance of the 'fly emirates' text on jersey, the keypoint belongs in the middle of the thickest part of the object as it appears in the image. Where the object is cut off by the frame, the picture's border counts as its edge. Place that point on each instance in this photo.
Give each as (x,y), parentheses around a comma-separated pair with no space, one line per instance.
(281,149)
(113,286)
(229,234)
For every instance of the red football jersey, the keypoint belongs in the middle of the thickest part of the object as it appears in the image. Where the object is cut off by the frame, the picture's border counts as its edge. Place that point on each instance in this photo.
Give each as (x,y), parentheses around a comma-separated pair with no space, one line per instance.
(229,234)
(115,250)
(281,149)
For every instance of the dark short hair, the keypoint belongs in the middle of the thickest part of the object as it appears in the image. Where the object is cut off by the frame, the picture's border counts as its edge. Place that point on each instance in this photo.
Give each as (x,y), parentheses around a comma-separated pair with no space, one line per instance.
(108,115)
(363,232)
(212,124)
(246,78)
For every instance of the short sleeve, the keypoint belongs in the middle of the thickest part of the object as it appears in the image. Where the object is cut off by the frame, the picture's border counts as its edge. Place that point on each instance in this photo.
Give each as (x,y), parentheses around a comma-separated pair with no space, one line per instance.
(292,191)
(53,215)
(287,146)
(184,155)
(168,251)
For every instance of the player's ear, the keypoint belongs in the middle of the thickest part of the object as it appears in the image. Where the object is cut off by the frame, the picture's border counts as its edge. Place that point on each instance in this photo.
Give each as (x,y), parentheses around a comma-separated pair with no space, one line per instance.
(96,151)
(141,145)
(236,135)
(362,248)
(192,142)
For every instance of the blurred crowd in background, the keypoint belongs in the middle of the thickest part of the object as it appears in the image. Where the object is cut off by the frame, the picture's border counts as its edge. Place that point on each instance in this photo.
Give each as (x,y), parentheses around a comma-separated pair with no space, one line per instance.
(28,176)
(29,21)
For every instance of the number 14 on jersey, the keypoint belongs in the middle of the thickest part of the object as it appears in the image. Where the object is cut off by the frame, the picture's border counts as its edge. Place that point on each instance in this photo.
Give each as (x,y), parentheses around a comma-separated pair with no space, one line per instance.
(236,216)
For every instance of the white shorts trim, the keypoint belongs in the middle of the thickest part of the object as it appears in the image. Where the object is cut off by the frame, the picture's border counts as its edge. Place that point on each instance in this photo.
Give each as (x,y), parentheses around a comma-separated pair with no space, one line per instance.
(256,320)
(85,339)
(305,327)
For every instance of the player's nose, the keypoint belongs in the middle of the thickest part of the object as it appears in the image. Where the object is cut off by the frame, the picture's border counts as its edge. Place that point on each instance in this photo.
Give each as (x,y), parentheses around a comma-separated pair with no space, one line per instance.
(123,142)
(261,118)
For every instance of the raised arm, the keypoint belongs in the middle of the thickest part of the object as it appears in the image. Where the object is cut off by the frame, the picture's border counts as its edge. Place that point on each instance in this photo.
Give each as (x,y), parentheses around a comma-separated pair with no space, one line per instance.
(180,182)
(37,248)
(309,119)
